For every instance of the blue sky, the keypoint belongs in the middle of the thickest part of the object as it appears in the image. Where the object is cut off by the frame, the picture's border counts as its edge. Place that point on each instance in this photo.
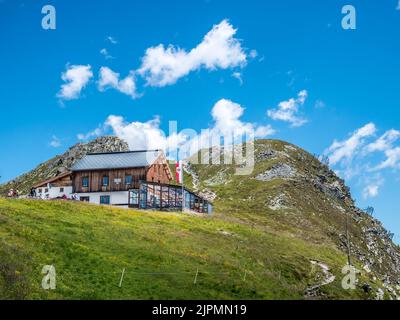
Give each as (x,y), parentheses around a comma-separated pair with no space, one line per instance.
(349,79)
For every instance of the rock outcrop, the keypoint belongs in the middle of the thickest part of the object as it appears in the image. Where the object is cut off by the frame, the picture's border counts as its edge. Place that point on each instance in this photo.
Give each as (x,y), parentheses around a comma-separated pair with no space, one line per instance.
(280,170)
(62,163)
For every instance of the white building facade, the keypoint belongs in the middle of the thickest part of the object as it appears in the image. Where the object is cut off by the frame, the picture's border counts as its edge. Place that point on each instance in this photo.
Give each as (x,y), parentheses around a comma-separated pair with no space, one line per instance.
(51,192)
(115,198)
(59,187)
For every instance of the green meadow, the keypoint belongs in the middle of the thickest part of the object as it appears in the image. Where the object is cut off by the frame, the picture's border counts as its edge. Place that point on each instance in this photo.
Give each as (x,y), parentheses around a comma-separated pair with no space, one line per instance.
(163,255)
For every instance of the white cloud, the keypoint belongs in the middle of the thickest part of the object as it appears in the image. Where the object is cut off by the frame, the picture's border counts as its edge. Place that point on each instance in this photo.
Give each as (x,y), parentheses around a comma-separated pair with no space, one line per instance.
(106,54)
(163,66)
(361,156)
(345,150)
(226,115)
(76,78)
(111,40)
(253,54)
(392,159)
(319,104)
(372,187)
(110,79)
(384,142)
(227,124)
(148,135)
(287,110)
(143,135)
(92,134)
(238,75)
(370,191)
(55,142)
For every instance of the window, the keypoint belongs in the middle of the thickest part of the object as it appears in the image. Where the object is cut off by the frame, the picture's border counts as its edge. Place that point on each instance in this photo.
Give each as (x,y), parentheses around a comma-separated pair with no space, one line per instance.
(46,190)
(134,197)
(84,199)
(61,189)
(105,181)
(40,190)
(187,200)
(85,182)
(128,179)
(104,199)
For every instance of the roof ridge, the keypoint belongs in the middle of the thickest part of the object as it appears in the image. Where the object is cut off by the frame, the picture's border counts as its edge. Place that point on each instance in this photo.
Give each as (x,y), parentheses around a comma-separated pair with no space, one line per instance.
(49,180)
(117,160)
(119,152)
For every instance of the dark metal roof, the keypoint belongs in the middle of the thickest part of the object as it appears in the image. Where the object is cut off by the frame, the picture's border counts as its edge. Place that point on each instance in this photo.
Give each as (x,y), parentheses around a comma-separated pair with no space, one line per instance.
(116,160)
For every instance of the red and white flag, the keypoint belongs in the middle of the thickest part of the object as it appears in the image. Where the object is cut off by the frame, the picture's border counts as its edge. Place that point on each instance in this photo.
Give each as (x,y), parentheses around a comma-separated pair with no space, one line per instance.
(179,172)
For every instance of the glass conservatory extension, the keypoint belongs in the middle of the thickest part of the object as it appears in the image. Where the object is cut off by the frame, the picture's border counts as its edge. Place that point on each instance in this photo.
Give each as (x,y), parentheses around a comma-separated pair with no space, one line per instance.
(156,196)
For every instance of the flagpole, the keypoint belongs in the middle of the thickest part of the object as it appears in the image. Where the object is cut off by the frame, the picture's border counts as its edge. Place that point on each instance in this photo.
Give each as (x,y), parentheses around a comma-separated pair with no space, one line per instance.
(179,168)
(183,189)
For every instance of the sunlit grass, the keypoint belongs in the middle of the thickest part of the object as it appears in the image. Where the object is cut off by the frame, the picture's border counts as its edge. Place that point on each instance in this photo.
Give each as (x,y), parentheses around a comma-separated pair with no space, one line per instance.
(161,252)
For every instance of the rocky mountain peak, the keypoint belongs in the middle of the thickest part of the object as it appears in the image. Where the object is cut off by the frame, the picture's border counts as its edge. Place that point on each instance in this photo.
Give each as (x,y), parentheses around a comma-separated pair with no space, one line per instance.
(62,163)
(101,144)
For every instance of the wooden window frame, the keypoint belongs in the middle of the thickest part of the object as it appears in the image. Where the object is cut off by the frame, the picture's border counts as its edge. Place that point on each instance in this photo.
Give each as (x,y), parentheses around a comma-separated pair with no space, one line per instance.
(103,179)
(85,178)
(131,179)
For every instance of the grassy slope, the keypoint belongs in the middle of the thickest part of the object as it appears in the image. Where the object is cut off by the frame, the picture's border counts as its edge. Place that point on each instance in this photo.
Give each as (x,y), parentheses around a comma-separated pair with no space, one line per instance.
(90,245)
(310,214)
(24,183)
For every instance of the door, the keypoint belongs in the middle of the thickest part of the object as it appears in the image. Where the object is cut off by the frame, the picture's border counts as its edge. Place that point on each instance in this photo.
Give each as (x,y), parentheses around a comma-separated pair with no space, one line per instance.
(134,198)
